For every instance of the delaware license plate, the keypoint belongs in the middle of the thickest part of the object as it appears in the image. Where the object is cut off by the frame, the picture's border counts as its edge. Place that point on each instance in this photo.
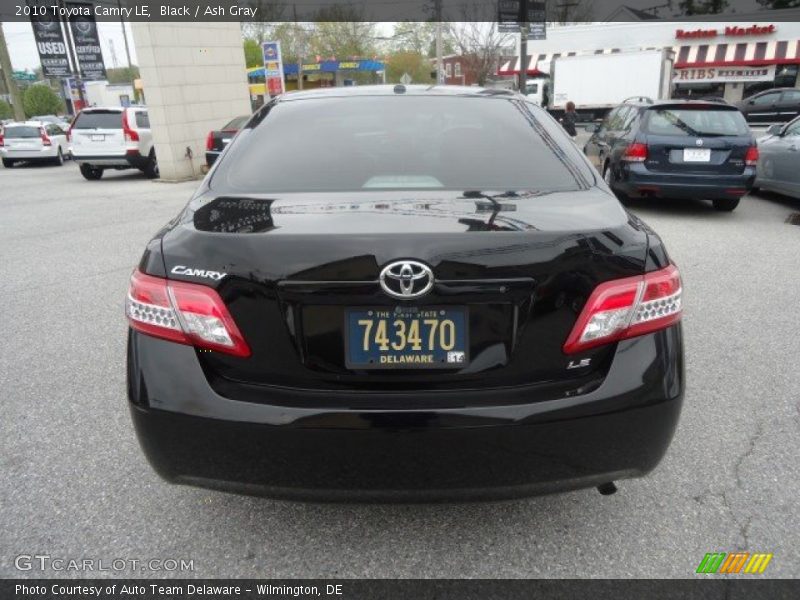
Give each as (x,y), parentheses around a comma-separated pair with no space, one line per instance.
(696,155)
(406,337)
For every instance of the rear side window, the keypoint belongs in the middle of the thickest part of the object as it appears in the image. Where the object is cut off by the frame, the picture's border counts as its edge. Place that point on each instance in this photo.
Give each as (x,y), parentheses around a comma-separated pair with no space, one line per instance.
(695,122)
(767,98)
(99,119)
(22,132)
(395,143)
(142,120)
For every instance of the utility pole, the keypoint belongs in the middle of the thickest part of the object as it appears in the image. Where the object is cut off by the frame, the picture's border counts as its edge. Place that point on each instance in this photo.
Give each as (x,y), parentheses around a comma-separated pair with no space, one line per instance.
(523,47)
(439,60)
(300,51)
(125,37)
(8,75)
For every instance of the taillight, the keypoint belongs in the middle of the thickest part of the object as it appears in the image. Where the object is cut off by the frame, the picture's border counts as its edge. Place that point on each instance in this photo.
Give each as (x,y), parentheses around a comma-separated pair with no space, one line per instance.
(130,134)
(210,140)
(45,140)
(182,312)
(626,308)
(2,138)
(635,152)
(751,158)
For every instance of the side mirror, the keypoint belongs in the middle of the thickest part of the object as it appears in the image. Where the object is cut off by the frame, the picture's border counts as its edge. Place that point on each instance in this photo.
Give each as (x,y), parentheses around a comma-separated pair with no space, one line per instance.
(592,128)
(774,129)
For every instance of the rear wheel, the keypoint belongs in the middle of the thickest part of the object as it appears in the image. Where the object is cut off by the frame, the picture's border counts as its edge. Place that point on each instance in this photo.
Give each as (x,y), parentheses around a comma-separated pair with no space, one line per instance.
(59,159)
(151,169)
(726,204)
(8,163)
(91,173)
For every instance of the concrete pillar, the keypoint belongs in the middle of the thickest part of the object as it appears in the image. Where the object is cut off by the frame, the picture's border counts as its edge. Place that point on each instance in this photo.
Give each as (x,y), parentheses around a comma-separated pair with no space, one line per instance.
(733,92)
(194,81)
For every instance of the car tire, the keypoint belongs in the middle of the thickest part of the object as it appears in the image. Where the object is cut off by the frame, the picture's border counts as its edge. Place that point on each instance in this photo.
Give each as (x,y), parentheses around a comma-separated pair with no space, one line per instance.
(59,159)
(151,168)
(91,173)
(8,163)
(726,204)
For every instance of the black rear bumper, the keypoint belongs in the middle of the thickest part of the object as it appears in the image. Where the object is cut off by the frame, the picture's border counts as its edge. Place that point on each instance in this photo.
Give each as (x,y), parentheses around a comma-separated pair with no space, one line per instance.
(493,447)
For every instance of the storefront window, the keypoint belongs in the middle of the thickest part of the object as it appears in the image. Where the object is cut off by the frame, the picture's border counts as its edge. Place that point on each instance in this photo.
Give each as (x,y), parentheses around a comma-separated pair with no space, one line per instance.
(699,90)
(785,76)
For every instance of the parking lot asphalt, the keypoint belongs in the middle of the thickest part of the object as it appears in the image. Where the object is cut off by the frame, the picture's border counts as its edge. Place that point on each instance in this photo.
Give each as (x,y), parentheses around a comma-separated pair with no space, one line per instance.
(73,483)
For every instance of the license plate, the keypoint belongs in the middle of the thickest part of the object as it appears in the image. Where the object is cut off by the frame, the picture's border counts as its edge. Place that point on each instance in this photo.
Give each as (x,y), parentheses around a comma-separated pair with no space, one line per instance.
(98,138)
(696,155)
(406,338)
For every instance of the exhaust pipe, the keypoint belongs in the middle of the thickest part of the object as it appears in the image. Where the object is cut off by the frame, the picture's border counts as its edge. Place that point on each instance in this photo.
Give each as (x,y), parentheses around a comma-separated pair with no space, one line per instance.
(606,489)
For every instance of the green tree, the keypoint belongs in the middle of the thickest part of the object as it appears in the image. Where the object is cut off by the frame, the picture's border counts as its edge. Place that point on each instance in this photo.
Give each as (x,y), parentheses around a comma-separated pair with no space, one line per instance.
(413,63)
(122,74)
(252,53)
(6,111)
(41,100)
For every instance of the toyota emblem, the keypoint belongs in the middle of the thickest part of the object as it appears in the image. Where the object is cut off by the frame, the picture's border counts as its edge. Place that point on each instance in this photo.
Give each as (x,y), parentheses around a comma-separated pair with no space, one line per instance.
(406,279)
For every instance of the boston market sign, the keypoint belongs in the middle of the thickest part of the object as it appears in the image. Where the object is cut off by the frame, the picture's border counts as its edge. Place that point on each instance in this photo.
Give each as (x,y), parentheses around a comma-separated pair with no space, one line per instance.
(729,31)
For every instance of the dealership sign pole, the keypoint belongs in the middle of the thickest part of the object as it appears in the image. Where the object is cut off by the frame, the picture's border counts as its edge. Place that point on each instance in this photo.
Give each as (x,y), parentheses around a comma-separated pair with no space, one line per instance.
(273,69)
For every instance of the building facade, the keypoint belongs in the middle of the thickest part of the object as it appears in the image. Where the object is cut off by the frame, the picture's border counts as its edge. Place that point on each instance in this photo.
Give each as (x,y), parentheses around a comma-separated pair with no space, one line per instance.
(732,60)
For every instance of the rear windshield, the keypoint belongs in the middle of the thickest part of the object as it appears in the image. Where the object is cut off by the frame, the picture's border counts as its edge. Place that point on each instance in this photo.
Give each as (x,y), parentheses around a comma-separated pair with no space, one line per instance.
(695,122)
(236,123)
(99,119)
(395,143)
(24,131)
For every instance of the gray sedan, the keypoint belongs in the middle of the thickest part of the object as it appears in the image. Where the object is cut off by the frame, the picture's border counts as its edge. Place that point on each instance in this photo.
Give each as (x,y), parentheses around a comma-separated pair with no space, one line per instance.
(778,167)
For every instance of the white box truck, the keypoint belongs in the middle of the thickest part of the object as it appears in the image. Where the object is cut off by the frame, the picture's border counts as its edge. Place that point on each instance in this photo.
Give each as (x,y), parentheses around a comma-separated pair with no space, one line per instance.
(597,83)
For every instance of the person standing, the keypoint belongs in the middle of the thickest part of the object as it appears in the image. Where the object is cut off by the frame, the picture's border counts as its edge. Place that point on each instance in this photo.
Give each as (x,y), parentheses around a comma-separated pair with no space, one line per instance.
(569,120)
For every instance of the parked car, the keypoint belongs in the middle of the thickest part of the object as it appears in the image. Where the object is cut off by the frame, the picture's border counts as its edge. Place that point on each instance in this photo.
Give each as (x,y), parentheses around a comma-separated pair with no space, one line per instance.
(33,141)
(399,292)
(113,138)
(779,159)
(217,140)
(771,106)
(676,149)
(53,120)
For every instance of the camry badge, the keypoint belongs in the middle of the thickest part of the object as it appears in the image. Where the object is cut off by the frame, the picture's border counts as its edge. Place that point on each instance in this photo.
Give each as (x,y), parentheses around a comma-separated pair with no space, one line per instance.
(406,279)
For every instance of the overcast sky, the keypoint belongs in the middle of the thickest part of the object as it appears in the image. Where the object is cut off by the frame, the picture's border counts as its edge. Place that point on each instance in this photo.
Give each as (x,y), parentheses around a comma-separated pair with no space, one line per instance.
(21,47)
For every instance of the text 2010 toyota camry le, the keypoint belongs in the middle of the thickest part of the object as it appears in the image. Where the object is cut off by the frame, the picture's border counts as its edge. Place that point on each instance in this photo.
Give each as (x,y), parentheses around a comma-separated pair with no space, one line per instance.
(401,293)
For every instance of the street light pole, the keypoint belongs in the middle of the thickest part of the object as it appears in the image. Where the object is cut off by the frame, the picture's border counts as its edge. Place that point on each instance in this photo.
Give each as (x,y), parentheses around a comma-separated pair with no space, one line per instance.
(439,60)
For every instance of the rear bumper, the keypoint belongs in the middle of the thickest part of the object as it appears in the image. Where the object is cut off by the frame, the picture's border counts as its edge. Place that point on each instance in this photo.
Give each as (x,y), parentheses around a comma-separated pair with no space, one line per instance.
(212,156)
(496,446)
(637,181)
(39,154)
(128,160)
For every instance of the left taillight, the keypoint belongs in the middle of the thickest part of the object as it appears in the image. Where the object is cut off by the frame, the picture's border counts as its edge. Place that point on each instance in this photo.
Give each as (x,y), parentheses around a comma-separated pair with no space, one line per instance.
(45,139)
(635,152)
(626,308)
(183,312)
(751,157)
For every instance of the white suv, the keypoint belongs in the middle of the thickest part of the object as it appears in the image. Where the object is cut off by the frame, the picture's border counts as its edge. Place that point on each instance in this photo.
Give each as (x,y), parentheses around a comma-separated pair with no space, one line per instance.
(113,138)
(32,141)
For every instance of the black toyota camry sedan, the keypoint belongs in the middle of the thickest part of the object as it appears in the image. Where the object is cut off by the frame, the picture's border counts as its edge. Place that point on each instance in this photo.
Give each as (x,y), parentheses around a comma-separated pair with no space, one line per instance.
(404,293)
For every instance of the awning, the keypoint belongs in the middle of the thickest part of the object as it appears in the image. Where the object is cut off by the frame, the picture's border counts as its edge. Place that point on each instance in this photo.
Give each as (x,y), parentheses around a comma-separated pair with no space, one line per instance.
(743,54)
(325,66)
(740,54)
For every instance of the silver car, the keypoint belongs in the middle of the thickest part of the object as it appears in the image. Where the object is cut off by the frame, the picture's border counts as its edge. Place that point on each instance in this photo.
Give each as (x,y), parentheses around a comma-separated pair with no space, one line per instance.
(778,167)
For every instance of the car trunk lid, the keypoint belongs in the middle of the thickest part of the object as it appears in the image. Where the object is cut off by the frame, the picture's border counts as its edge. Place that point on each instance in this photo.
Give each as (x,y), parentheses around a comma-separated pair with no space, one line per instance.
(521,265)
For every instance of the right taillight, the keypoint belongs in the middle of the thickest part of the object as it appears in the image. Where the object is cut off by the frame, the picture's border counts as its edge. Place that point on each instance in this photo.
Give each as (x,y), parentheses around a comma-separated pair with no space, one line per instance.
(182,312)
(130,134)
(2,138)
(210,140)
(635,152)
(626,308)
(751,157)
